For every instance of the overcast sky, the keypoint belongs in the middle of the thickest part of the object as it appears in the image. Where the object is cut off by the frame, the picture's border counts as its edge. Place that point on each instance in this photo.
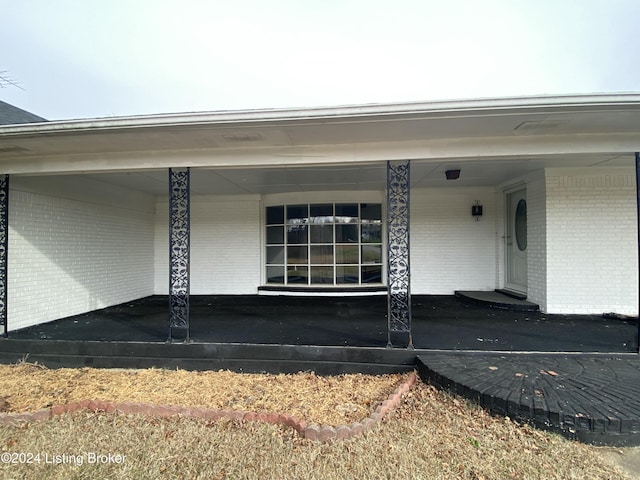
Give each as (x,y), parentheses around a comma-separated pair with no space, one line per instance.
(97,58)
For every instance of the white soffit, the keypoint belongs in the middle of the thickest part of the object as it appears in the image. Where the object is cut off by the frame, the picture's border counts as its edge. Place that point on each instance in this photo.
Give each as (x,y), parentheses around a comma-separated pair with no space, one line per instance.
(424,174)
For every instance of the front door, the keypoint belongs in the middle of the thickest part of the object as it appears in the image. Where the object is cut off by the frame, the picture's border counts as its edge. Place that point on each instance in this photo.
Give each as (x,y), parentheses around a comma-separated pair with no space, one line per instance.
(516,241)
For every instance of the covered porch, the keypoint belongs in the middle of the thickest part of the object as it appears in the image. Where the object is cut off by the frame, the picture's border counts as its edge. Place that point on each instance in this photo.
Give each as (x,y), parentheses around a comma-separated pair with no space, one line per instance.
(400,201)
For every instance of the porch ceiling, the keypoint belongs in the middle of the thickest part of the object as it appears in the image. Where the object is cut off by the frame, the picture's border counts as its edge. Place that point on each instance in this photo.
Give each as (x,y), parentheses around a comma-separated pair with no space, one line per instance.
(210,181)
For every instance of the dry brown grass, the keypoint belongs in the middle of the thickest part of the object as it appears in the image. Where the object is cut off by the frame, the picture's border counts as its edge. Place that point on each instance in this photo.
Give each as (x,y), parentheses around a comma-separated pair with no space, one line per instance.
(431,435)
(335,400)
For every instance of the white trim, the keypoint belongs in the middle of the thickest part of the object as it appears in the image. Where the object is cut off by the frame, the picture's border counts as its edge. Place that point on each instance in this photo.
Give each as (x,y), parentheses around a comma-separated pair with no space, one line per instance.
(364,196)
(521,186)
(342,293)
(596,101)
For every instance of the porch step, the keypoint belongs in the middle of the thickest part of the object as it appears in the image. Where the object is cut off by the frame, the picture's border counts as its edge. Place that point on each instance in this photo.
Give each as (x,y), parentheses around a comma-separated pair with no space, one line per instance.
(496,299)
(511,293)
(248,358)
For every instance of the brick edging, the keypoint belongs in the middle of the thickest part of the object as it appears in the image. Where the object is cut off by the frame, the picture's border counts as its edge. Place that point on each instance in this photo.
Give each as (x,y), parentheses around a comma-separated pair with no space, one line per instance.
(341,432)
(310,431)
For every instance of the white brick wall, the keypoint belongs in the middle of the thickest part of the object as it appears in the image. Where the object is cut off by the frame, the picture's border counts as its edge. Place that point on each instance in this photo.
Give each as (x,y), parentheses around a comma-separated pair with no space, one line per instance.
(449,249)
(537,240)
(225,245)
(71,251)
(592,258)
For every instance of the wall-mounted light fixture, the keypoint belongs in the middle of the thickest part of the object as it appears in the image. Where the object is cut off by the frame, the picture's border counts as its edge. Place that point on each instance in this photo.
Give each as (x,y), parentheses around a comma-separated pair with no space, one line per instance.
(476,210)
(453,174)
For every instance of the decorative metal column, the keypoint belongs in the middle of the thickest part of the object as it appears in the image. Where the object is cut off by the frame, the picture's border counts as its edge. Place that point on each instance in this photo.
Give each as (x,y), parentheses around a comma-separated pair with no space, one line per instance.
(179,251)
(398,267)
(4,249)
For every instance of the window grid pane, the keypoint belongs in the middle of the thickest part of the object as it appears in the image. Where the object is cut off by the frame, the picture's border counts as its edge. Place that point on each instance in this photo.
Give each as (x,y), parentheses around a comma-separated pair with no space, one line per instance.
(275,235)
(275,215)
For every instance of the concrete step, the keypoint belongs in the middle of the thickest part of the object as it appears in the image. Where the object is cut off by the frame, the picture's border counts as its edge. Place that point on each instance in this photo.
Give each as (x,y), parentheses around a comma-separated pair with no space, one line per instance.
(496,299)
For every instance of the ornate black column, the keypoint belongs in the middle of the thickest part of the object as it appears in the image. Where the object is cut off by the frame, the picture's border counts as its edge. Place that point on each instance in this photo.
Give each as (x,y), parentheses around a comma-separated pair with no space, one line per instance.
(4,249)
(179,251)
(398,266)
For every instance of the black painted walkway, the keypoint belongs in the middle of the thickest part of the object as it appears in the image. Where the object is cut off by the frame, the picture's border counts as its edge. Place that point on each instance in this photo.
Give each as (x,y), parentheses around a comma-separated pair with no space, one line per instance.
(591,398)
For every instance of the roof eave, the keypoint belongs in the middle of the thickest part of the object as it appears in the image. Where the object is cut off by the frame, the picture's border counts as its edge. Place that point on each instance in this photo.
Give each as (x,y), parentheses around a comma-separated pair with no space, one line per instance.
(462,108)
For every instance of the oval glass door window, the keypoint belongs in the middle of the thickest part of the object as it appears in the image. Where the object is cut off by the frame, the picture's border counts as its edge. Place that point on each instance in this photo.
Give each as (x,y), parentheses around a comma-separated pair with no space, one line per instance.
(521,225)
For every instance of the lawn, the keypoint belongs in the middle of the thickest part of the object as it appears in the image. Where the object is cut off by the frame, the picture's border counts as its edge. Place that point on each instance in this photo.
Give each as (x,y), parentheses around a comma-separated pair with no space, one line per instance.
(430,435)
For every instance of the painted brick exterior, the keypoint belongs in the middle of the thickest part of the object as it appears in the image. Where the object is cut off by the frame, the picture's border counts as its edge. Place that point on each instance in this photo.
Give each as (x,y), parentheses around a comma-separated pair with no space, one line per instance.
(225,245)
(71,252)
(592,258)
(449,249)
(537,240)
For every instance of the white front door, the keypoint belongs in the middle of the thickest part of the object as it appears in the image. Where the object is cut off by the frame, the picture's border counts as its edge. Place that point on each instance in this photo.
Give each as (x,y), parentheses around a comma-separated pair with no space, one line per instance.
(516,241)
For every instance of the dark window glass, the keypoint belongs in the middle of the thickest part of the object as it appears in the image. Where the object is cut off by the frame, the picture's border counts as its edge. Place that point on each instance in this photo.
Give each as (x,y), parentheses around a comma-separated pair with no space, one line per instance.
(521,225)
(275,235)
(371,213)
(346,274)
(371,254)
(372,274)
(346,212)
(321,233)
(371,233)
(275,215)
(296,234)
(275,254)
(296,255)
(298,275)
(321,213)
(322,275)
(322,254)
(347,233)
(297,213)
(275,274)
(346,254)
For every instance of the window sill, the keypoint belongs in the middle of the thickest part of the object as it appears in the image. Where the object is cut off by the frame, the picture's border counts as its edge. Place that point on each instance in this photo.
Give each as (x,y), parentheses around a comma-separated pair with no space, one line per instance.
(330,290)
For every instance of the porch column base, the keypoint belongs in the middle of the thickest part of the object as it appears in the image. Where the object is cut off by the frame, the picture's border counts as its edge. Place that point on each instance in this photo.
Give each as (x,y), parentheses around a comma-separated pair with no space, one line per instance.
(400,340)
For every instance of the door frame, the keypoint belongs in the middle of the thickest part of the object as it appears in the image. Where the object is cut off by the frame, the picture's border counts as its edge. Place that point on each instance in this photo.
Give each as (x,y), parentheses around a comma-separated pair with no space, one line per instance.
(508,222)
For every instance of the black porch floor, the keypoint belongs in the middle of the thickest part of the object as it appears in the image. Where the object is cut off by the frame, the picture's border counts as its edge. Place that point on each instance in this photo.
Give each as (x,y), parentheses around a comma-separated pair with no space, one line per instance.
(439,322)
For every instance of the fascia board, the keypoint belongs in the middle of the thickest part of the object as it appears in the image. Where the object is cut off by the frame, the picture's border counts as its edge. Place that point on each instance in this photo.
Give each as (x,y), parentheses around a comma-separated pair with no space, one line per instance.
(353,113)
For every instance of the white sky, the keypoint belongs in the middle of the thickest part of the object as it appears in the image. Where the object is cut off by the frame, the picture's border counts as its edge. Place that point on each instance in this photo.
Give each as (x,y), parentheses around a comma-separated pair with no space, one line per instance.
(95,58)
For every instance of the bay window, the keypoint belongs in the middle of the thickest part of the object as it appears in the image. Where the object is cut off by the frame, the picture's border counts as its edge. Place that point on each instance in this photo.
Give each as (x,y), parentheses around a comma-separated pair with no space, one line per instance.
(324,244)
